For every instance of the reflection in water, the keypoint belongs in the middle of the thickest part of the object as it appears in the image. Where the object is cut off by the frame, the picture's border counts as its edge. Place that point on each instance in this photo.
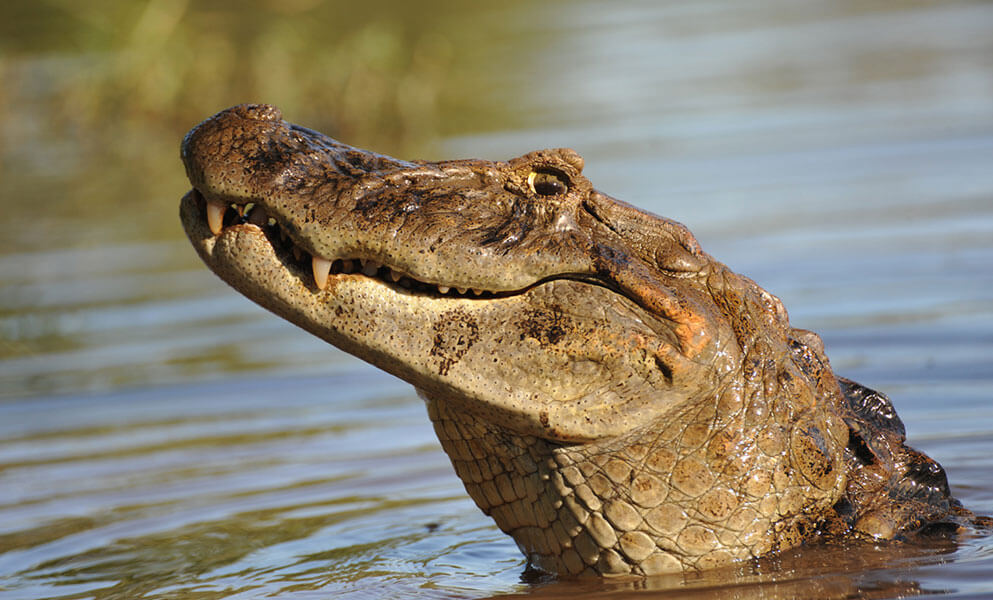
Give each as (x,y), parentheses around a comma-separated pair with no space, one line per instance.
(822,572)
(210,488)
(285,486)
(89,173)
(838,153)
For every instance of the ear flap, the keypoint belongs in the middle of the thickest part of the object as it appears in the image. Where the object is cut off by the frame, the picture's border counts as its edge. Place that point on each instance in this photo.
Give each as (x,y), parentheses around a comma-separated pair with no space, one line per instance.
(662,243)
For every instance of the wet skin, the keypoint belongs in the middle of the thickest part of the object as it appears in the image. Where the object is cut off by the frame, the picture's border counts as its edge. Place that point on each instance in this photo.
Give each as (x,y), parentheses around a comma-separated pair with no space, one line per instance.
(616,399)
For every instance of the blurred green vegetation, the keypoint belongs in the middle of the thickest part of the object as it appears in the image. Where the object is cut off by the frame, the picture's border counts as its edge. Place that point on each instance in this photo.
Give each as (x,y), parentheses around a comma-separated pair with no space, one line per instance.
(96,95)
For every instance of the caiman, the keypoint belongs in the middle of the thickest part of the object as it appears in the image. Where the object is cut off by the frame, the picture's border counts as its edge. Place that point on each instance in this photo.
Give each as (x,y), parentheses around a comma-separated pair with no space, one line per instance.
(618,401)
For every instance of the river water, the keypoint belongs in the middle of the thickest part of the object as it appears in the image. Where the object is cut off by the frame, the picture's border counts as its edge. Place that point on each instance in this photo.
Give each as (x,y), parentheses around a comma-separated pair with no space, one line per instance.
(161,437)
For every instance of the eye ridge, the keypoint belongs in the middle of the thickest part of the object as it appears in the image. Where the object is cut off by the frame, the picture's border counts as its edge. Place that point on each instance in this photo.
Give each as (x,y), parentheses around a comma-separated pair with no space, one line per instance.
(545,181)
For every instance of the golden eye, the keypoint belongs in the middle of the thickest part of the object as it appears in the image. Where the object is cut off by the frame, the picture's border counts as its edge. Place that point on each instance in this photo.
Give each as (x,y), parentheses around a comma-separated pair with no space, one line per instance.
(548,182)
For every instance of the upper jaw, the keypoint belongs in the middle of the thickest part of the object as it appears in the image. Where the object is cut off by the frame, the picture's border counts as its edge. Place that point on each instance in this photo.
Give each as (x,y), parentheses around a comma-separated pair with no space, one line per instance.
(458,225)
(207,219)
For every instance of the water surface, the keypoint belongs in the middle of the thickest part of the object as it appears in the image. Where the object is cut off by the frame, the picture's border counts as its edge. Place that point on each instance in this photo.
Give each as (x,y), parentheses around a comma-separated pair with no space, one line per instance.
(161,437)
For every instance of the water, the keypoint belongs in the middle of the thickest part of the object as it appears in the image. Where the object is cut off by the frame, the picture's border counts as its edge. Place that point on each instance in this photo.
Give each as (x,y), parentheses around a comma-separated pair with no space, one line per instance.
(161,437)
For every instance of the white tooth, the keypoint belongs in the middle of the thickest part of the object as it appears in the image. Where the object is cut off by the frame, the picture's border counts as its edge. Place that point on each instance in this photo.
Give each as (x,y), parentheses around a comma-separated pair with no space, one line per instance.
(215,216)
(321,267)
(461,290)
(443,289)
(477,292)
(370,267)
(395,275)
(346,266)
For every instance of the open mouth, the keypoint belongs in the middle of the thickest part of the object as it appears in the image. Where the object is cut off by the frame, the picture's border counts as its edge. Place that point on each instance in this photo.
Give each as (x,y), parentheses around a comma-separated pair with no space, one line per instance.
(221,215)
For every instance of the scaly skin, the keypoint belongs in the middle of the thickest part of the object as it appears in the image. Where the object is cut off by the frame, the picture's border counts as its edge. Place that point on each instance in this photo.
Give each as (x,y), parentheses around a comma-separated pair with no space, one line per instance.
(617,400)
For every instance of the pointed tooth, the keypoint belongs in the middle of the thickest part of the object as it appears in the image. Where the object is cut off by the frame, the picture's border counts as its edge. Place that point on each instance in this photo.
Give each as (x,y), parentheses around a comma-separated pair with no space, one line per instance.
(461,290)
(347,266)
(395,275)
(321,267)
(215,216)
(297,253)
(370,267)
(443,289)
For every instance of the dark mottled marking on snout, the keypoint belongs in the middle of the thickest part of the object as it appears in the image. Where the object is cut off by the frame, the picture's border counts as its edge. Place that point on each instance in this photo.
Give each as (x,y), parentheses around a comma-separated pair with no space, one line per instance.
(546,326)
(454,333)
(512,229)
(270,156)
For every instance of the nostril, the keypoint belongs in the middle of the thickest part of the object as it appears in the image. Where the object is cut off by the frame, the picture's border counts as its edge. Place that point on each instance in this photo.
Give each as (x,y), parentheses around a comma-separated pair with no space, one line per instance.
(258,112)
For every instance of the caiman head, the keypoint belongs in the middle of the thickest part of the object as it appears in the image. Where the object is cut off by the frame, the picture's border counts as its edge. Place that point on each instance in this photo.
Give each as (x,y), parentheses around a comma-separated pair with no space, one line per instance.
(616,399)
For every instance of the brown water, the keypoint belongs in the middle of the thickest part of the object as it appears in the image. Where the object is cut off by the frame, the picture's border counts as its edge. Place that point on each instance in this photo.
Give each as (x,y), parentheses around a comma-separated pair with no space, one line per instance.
(161,437)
